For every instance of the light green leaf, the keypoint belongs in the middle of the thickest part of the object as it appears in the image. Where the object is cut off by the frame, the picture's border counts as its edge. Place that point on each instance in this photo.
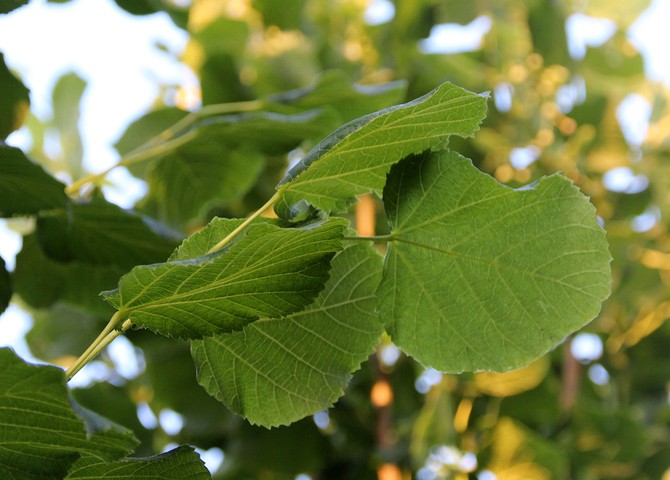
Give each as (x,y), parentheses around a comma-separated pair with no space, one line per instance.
(182,463)
(355,158)
(41,436)
(479,276)
(25,188)
(274,372)
(268,272)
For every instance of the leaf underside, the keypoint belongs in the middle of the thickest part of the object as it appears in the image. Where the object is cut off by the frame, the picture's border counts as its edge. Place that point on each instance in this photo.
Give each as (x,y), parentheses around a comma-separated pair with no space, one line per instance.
(355,158)
(274,372)
(268,272)
(479,276)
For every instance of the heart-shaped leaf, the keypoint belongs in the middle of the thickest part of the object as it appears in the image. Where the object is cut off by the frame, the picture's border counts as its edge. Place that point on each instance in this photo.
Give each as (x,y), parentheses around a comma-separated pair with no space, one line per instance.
(479,276)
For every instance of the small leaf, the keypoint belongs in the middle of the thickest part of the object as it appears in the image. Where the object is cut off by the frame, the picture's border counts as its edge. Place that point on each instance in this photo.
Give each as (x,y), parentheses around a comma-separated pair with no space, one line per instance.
(274,372)
(268,272)
(178,464)
(41,436)
(15,98)
(25,188)
(5,286)
(355,158)
(334,88)
(101,233)
(479,276)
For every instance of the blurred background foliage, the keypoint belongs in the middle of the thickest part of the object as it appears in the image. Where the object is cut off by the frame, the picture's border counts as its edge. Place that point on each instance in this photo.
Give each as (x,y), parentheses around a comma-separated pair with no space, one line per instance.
(595,408)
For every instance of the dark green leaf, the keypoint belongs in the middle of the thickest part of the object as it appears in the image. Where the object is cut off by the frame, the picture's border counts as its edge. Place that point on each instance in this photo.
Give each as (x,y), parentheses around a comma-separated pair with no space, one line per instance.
(182,463)
(25,188)
(101,233)
(269,272)
(479,276)
(41,436)
(5,286)
(355,159)
(274,372)
(15,97)
(41,281)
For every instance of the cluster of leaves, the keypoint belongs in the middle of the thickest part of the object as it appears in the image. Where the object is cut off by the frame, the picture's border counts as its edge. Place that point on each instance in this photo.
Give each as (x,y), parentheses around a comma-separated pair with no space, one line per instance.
(474,275)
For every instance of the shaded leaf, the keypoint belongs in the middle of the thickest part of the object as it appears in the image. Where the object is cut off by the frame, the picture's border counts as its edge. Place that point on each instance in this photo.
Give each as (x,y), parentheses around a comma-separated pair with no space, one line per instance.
(41,281)
(101,233)
(268,272)
(277,371)
(182,463)
(479,276)
(5,286)
(25,188)
(355,158)
(15,98)
(223,160)
(334,88)
(41,436)
(107,440)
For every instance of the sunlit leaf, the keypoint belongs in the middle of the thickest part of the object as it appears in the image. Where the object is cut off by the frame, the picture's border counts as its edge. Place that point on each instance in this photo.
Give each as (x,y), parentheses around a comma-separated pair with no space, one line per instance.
(25,188)
(356,157)
(277,371)
(269,272)
(479,276)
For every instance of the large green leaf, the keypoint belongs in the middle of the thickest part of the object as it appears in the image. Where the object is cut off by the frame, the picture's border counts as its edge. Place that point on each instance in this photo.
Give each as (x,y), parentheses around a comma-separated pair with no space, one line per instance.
(178,464)
(277,371)
(269,272)
(101,233)
(25,188)
(479,276)
(41,435)
(355,158)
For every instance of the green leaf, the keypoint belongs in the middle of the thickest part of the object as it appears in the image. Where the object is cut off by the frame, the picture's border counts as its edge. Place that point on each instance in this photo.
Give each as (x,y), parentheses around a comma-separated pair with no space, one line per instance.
(5,286)
(41,436)
(66,99)
(355,158)
(107,440)
(101,233)
(276,371)
(223,160)
(269,272)
(41,281)
(25,188)
(479,276)
(15,97)
(178,464)
(334,88)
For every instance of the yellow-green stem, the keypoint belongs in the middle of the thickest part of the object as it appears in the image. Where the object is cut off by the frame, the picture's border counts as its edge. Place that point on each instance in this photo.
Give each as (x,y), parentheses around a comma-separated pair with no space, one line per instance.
(85,357)
(247,221)
(162,143)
